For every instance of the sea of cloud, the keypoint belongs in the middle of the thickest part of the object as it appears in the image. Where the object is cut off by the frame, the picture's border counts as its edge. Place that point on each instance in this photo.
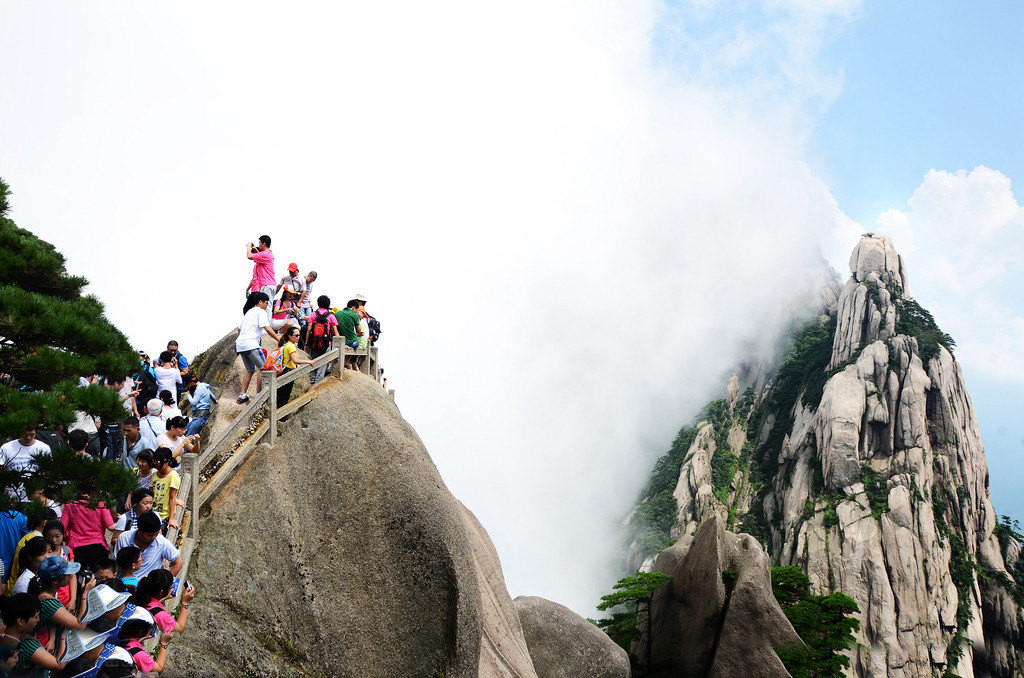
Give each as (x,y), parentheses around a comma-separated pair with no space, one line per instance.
(570,227)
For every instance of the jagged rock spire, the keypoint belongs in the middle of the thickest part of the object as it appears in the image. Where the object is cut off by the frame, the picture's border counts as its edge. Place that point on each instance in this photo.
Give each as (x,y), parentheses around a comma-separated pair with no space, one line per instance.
(866,312)
(875,259)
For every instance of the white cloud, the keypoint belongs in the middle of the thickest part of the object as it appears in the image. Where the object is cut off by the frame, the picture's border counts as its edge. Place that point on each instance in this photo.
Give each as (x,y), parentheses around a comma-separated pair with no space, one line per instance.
(963,237)
(567,245)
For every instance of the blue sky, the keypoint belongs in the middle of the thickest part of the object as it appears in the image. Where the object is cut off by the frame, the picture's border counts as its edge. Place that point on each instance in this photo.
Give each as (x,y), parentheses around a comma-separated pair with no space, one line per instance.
(934,85)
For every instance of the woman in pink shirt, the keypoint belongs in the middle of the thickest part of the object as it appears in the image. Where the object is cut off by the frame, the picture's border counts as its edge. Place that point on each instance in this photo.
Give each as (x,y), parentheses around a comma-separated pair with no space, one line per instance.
(84,528)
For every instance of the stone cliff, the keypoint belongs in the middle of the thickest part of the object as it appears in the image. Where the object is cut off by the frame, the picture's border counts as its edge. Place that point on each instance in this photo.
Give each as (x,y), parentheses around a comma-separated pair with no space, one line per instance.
(861,462)
(338,551)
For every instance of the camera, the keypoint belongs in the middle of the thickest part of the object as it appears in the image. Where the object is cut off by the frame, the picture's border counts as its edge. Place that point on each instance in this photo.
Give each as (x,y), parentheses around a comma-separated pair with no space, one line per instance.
(84,576)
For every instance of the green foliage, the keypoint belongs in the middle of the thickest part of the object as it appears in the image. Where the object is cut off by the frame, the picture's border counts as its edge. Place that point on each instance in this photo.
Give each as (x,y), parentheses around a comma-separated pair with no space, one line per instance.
(913,320)
(716,413)
(51,336)
(873,293)
(744,404)
(1007,531)
(630,603)
(808,510)
(655,514)
(723,467)
(69,474)
(875,488)
(831,517)
(4,192)
(824,623)
(803,369)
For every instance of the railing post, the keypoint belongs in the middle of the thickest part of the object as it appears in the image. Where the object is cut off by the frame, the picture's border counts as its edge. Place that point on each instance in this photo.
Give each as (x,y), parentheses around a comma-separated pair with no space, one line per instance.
(338,344)
(190,466)
(270,376)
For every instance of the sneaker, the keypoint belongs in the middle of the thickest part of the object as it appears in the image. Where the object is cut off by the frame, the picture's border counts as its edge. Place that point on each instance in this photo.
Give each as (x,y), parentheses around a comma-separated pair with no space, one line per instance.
(242,399)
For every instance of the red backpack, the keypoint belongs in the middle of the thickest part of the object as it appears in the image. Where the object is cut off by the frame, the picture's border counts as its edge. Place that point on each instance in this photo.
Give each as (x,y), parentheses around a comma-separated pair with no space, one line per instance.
(320,334)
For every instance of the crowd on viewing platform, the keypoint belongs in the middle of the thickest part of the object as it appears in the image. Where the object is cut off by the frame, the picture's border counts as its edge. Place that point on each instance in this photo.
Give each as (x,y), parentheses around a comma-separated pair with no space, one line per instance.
(83,583)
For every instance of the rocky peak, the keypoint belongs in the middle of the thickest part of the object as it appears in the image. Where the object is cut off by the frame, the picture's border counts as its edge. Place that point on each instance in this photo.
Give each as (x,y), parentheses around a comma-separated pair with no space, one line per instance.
(875,259)
(861,462)
(866,312)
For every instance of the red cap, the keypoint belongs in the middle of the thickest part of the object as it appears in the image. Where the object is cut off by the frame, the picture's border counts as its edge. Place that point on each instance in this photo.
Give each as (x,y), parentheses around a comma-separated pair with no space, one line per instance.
(293,266)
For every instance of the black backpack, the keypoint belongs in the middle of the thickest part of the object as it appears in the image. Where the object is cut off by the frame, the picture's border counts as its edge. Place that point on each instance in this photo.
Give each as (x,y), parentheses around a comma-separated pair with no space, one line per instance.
(374,327)
(320,334)
(146,384)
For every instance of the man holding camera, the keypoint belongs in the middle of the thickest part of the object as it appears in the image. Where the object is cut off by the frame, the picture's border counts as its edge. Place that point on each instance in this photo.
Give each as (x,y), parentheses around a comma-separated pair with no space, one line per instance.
(262,256)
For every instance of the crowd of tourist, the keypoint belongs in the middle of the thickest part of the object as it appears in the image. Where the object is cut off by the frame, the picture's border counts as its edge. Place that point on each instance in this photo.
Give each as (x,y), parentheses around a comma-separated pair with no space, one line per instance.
(84,584)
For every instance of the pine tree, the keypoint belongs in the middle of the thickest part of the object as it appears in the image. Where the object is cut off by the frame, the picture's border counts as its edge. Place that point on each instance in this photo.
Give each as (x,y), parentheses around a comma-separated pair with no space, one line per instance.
(630,603)
(825,624)
(50,335)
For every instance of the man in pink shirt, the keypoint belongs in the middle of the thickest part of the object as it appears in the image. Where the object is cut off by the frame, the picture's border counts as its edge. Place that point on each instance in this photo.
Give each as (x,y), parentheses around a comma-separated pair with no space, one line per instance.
(263,279)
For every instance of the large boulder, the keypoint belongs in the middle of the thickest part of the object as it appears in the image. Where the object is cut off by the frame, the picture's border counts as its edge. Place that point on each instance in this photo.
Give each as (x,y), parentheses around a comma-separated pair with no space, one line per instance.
(339,551)
(565,645)
(718,616)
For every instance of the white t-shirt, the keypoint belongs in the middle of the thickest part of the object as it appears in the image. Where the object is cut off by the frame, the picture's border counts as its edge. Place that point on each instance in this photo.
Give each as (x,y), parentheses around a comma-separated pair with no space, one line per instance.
(170,412)
(167,379)
(251,329)
(21,586)
(16,456)
(167,441)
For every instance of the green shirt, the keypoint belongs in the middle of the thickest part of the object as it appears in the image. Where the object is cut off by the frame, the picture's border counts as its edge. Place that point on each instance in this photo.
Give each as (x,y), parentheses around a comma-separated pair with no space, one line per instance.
(347,321)
(26,649)
(49,608)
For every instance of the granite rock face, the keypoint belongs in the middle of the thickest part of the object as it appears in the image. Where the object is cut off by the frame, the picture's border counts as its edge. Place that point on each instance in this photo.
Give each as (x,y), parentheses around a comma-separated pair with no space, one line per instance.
(565,645)
(880,491)
(339,551)
(718,616)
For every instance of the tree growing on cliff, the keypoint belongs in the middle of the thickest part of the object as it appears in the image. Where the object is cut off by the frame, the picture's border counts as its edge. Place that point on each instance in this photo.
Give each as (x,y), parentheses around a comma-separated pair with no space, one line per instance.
(50,335)
(823,623)
(632,600)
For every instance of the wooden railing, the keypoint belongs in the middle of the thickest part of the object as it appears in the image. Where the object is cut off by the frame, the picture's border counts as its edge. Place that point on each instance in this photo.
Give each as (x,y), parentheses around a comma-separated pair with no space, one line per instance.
(203,475)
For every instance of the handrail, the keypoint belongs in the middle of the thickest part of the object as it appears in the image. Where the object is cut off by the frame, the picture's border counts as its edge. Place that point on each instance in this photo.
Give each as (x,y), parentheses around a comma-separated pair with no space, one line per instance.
(196,491)
(254,405)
